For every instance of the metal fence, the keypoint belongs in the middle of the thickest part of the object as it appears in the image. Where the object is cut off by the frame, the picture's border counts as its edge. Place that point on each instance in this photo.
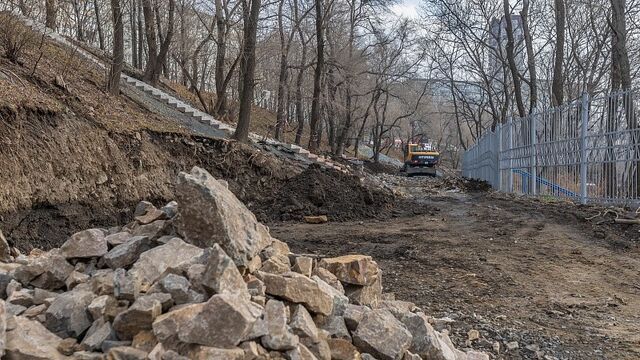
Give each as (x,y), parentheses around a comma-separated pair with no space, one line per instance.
(587,150)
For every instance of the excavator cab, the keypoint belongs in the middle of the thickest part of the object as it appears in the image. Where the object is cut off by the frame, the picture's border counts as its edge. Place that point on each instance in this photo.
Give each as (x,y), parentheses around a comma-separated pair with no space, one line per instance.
(420,159)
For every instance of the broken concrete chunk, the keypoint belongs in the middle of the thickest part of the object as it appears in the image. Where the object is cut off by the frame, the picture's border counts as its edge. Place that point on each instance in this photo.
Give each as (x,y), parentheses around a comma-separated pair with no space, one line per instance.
(210,214)
(382,335)
(352,269)
(299,289)
(85,244)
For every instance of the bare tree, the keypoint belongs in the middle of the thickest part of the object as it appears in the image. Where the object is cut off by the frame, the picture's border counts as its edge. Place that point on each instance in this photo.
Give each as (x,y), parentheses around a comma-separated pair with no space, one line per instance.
(118,48)
(250,13)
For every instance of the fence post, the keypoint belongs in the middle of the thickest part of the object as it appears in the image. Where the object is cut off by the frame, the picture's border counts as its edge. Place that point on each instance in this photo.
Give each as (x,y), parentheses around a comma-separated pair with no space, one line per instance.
(534,175)
(510,146)
(499,156)
(583,147)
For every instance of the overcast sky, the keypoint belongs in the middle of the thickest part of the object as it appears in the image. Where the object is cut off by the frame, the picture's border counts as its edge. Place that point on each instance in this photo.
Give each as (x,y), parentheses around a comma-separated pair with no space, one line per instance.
(407,8)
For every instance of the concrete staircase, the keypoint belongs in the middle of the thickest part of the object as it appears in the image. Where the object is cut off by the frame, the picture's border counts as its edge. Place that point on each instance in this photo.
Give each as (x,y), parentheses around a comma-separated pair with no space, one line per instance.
(177,104)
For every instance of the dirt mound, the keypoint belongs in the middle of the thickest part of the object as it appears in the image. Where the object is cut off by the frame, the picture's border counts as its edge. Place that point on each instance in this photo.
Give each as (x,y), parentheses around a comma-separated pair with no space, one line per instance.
(319,191)
(379,168)
(464,184)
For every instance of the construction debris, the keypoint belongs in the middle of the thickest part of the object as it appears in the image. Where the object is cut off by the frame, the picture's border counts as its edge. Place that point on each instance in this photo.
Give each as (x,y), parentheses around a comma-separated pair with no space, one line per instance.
(222,289)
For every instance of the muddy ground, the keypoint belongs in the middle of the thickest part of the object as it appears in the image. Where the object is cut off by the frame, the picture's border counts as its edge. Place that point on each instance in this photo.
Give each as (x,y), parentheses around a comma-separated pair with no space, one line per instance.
(516,270)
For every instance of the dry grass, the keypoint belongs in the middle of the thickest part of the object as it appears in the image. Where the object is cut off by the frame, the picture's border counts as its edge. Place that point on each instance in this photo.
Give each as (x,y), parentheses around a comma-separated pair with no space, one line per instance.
(83,91)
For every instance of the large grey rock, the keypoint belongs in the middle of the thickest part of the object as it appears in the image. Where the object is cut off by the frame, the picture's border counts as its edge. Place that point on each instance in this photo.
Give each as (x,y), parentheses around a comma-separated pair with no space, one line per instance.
(342,349)
(223,321)
(208,213)
(99,332)
(104,306)
(179,288)
(302,323)
(301,352)
(382,335)
(200,352)
(299,289)
(369,295)
(329,278)
(334,326)
(28,339)
(48,271)
(127,253)
(221,274)
(3,328)
(175,254)
(425,342)
(85,244)
(138,317)
(67,315)
(126,353)
(353,314)
(125,287)
(352,269)
(278,336)
(118,238)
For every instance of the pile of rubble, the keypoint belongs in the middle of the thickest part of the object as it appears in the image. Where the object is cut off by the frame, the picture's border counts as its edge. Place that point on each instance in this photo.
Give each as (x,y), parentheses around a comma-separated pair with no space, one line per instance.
(203,280)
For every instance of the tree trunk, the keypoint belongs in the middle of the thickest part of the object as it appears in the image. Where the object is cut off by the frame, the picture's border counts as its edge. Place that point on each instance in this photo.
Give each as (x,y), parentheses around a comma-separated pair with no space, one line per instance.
(531,57)
(557,86)
(134,33)
(220,108)
(515,76)
(250,12)
(317,78)
(282,76)
(140,33)
(96,9)
(156,58)
(118,48)
(51,9)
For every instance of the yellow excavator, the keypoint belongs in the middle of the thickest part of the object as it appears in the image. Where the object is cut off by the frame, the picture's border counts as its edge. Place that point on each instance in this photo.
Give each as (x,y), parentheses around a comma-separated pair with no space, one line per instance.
(420,159)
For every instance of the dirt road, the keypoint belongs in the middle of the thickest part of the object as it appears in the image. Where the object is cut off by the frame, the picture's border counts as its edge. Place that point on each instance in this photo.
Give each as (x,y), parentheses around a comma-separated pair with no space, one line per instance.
(516,271)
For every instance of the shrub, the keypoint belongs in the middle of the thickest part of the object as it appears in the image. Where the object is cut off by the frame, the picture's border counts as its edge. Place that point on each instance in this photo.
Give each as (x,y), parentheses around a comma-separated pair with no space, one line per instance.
(15,38)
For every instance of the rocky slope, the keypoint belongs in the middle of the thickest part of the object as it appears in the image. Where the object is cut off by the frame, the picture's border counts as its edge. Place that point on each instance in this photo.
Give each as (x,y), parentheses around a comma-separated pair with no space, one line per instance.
(202,279)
